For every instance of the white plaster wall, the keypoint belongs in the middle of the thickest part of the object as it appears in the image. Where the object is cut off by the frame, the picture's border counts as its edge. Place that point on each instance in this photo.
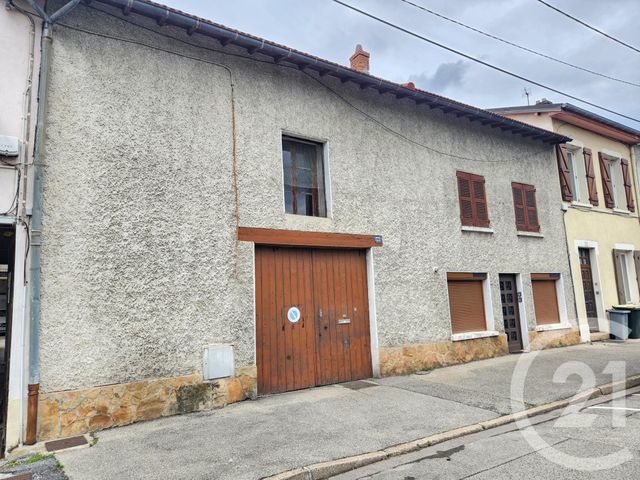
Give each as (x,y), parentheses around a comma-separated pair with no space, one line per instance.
(141,269)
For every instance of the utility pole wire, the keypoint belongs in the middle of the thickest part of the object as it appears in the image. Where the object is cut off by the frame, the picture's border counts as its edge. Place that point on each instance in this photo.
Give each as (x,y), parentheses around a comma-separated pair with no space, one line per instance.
(588,26)
(548,57)
(482,62)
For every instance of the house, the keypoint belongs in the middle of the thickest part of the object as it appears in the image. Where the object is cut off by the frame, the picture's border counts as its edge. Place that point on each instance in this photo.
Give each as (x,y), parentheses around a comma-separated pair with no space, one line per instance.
(599,191)
(19,53)
(225,217)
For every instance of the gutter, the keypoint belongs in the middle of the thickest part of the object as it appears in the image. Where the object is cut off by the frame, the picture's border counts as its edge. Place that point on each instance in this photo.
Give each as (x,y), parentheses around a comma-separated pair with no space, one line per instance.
(279,53)
(36,218)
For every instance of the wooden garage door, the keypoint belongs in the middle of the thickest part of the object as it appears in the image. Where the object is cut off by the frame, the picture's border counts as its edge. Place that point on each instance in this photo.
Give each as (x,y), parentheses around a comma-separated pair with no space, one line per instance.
(545,301)
(330,343)
(466,302)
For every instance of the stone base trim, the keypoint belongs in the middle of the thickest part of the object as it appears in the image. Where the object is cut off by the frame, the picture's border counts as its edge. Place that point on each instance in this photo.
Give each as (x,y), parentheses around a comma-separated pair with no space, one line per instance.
(598,336)
(413,358)
(74,412)
(553,339)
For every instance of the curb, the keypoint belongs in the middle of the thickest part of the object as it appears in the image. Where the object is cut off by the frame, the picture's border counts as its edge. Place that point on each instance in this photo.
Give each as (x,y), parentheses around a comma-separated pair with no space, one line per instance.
(324,470)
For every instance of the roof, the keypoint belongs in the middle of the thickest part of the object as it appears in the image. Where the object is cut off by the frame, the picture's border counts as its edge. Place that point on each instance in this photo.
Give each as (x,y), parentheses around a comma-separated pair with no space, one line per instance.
(626,133)
(281,54)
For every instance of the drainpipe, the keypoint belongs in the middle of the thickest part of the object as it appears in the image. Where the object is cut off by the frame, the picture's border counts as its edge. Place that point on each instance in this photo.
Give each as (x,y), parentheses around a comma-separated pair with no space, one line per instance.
(36,218)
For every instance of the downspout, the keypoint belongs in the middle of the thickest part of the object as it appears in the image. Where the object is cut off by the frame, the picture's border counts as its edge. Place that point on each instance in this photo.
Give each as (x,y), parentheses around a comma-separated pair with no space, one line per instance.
(36,217)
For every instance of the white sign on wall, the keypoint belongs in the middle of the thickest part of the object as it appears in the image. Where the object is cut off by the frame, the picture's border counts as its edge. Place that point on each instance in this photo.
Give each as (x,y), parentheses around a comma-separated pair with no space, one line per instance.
(293,314)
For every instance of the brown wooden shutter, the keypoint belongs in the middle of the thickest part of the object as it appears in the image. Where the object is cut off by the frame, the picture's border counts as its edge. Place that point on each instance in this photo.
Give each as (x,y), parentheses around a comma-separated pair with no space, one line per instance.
(545,301)
(591,177)
(518,205)
(607,187)
(618,258)
(626,179)
(565,174)
(526,210)
(473,200)
(466,303)
(479,202)
(531,208)
(465,198)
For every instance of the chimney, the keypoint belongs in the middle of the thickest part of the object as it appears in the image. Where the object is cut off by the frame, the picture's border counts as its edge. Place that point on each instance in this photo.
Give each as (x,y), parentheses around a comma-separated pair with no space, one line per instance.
(409,85)
(360,60)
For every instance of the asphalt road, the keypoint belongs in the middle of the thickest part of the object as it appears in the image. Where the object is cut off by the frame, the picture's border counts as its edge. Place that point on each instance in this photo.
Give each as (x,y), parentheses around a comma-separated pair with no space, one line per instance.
(599,441)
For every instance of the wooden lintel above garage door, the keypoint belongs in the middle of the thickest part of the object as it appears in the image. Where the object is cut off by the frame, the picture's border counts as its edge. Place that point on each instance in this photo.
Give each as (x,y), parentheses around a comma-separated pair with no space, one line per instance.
(296,238)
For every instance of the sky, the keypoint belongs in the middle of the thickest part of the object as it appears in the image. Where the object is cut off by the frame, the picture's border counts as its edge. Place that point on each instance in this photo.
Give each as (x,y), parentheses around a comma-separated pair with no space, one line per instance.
(330,31)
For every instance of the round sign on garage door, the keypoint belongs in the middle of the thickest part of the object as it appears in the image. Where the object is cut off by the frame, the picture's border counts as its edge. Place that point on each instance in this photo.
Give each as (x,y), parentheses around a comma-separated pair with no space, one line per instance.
(293,314)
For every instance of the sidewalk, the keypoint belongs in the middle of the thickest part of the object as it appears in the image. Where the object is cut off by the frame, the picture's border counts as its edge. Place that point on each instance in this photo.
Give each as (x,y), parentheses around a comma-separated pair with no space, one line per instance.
(258,438)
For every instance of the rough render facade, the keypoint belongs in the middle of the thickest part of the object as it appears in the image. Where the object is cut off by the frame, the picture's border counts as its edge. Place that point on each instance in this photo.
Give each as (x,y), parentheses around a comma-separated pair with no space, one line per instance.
(141,267)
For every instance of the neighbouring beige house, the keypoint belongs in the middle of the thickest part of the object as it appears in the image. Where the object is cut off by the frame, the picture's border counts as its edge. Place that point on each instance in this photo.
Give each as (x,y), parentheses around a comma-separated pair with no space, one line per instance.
(599,183)
(20,56)
(224,217)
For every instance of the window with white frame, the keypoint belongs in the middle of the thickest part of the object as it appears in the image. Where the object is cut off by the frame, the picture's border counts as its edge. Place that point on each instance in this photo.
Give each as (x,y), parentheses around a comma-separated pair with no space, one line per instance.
(622,261)
(575,161)
(617,181)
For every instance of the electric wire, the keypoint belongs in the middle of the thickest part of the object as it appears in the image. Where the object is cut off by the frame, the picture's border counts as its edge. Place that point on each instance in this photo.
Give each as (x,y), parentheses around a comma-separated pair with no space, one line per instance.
(477,60)
(591,27)
(521,47)
(270,62)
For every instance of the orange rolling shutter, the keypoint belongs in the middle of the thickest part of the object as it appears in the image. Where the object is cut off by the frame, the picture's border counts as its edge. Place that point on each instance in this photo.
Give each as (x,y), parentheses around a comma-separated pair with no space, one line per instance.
(545,301)
(466,303)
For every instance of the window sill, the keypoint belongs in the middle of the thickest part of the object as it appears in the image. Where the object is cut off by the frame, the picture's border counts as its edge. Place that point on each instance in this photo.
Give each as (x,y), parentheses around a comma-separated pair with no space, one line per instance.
(621,211)
(581,205)
(553,326)
(297,216)
(530,234)
(468,228)
(457,337)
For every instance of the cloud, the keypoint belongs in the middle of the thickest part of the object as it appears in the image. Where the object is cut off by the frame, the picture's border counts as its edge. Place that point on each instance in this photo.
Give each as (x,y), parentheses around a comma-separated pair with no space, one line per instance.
(447,75)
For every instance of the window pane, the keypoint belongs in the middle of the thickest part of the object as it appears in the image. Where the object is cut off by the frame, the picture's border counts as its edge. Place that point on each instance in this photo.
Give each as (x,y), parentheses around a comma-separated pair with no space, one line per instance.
(287,162)
(288,200)
(619,195)
(305,202)
(582,190)
(625,279)
(305,155)
(573,159)
(319,175)
(303,178)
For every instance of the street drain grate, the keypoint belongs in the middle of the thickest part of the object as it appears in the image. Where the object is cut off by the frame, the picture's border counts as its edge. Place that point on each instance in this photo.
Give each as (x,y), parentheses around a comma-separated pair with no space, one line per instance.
(65,443)
(358,385)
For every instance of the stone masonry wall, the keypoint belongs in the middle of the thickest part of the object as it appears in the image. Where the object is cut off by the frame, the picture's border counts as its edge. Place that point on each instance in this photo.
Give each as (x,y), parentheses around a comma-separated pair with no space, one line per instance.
(73,412)
(413,358)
